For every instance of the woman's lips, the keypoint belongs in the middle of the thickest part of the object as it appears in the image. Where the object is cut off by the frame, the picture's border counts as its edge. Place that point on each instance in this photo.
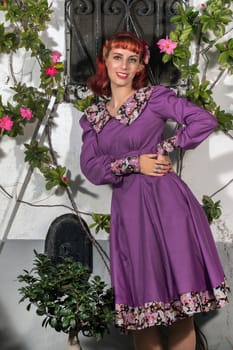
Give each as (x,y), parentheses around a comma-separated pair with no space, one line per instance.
(122,75)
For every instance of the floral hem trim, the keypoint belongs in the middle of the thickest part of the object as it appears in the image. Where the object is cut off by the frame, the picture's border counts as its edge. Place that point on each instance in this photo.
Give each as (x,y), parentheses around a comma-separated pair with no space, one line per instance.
(165,314)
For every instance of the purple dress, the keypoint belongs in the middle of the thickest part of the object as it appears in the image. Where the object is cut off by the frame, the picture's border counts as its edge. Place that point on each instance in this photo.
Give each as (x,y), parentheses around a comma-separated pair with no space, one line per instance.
(164,262)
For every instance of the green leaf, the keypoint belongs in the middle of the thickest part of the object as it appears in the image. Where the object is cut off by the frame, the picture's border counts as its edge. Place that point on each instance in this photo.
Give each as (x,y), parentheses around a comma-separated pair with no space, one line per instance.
(41,310)
(225,120)
(173,36)
(101,222)
(54,176)
(185,34)
(73,323)
(28,306)
(166,58)
(36,155)
(190,71)
(82,104)
(211,208)
(68,296)
(223,57)
(65,323)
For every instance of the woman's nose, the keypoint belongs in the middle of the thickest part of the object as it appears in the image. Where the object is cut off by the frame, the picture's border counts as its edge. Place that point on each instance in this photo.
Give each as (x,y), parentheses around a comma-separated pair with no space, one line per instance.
(124,64)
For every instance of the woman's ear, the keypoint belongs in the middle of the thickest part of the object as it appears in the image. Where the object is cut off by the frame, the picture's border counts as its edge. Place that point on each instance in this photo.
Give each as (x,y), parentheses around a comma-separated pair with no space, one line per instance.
(141,67)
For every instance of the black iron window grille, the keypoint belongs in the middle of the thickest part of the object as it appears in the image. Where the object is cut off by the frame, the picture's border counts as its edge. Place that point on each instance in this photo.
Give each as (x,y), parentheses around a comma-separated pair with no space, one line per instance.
(90,22)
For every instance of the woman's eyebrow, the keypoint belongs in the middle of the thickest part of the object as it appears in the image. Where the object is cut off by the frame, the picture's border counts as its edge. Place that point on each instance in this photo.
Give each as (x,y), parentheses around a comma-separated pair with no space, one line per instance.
(120,54)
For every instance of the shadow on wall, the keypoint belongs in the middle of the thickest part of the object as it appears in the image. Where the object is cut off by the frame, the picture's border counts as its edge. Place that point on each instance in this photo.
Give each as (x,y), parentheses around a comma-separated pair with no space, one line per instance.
(9,339)
(15,320)
(113,341)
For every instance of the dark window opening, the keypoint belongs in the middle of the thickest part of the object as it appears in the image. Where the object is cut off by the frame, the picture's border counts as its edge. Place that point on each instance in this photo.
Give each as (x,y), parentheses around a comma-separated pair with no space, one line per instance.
(90,22)
(67,238)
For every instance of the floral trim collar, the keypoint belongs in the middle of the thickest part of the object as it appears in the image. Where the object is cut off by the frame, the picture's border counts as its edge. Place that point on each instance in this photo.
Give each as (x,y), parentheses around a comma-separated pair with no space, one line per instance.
(98,115)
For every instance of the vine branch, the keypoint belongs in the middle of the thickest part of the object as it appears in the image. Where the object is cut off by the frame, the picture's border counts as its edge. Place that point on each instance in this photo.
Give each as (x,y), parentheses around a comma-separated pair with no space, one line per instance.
(222,188)
(100,250)
(11,68)
(97,245)
(228,134)
(221,73)
(198,47)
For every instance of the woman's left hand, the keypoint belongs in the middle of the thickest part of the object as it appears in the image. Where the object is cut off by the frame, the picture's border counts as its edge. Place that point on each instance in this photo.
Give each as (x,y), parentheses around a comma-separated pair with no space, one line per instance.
(155,164)
(162,159)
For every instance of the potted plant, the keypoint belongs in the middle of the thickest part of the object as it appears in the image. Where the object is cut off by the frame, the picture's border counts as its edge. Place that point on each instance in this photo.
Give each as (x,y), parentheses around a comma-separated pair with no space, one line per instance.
(69,299)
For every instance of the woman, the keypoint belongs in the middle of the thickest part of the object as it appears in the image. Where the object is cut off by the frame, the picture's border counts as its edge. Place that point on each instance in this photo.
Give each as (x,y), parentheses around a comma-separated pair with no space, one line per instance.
(164,263)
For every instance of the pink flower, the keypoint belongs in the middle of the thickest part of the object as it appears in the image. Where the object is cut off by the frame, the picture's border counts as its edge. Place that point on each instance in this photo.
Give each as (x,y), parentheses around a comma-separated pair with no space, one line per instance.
(203,6)
(51,71)
(6,123)
(26,113)
(166,45)
(55,56)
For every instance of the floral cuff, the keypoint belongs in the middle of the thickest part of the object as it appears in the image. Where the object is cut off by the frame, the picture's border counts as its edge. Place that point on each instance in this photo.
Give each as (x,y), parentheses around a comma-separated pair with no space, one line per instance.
(126,165)
(167,145)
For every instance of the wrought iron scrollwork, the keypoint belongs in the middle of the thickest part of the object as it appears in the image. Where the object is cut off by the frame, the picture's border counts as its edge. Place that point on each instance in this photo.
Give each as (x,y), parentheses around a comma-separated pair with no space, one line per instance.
(143,8)
(90,22)
(114,7)
(84,7)
(171,6)
(67,16)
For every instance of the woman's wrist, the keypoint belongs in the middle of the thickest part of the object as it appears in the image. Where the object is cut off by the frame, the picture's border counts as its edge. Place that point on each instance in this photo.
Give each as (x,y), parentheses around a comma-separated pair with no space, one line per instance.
(167,146)
(126,165)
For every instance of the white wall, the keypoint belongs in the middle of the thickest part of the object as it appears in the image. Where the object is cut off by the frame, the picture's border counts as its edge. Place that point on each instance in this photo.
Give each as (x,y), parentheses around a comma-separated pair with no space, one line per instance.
(206,169)
(67,140)
(209,168)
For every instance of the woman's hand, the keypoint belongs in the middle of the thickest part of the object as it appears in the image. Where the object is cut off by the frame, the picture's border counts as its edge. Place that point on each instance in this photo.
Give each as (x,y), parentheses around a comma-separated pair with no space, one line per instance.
(154,164)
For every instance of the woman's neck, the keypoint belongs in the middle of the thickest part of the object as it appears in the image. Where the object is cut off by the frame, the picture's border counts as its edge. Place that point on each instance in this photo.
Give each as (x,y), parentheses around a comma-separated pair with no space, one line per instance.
(119,96)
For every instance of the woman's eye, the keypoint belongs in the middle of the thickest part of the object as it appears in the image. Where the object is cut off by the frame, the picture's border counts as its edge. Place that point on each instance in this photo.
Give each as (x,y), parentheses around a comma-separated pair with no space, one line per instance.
(117,57)
(132,60)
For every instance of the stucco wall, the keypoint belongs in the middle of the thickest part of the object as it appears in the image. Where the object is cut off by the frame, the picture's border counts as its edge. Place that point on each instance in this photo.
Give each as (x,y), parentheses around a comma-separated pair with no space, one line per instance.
(206,169)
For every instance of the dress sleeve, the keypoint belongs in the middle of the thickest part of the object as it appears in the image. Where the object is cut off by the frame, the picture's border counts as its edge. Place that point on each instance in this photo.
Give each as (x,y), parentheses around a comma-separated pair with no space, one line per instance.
(196,123)
(95,165)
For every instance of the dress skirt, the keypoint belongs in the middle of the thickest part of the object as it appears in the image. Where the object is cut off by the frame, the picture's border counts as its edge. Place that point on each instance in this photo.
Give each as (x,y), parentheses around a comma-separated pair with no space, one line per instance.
(164,262)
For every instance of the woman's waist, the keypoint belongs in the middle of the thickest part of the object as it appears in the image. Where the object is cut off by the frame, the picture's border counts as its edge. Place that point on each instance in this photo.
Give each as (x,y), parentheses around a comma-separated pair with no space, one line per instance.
(137,152)
(138,181)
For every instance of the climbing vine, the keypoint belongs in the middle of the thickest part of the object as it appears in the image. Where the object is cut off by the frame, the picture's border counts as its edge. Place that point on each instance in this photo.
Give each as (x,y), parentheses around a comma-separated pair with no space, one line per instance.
(200,40)
(196,34)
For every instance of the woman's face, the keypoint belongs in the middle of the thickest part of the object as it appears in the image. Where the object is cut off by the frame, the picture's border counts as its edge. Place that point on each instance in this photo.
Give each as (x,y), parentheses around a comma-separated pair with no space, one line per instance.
(122,65)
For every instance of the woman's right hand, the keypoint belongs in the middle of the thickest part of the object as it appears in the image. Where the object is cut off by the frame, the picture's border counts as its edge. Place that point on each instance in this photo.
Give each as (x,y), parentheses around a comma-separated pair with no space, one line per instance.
(155,164)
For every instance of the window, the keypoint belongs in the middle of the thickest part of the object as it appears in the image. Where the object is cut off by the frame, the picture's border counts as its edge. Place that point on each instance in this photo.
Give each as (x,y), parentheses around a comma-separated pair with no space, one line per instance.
(90,22)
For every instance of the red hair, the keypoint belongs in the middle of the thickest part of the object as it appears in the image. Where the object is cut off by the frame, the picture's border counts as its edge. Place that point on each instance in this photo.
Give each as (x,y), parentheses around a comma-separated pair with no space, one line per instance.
(99,83)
